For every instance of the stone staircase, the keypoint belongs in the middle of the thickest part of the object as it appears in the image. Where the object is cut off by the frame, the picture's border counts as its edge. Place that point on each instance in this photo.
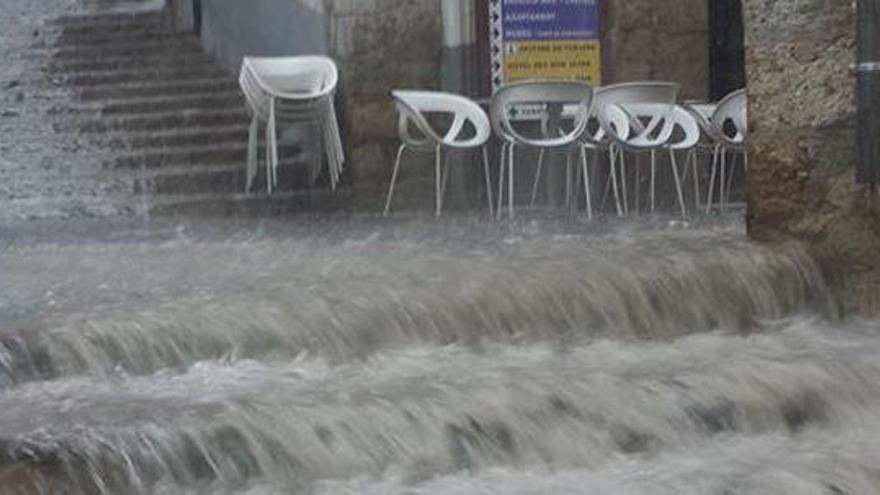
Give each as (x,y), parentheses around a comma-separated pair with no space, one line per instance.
(171,120)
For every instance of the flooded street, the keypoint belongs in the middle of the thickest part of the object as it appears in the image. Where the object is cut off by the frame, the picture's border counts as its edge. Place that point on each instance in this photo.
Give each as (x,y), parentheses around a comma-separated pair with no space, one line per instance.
(359,356)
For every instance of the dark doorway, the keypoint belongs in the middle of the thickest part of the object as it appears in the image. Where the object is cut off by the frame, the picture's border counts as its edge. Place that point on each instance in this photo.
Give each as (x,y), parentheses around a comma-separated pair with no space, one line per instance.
(727,50)
(197,16)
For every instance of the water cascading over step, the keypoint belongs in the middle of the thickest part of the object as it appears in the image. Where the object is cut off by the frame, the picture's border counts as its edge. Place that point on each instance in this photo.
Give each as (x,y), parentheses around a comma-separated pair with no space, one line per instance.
(347,358)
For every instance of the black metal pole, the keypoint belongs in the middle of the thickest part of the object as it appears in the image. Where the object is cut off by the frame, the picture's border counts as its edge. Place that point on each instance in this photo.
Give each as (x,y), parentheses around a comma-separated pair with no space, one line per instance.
(197,16)
(868,92)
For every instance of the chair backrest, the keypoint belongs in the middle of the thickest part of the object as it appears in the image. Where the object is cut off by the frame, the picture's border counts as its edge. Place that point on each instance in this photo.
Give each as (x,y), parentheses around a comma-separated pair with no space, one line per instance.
(289,78)
(702,113)
(554,95)
(683,120)
(730,120)
(646,105)
(414,106)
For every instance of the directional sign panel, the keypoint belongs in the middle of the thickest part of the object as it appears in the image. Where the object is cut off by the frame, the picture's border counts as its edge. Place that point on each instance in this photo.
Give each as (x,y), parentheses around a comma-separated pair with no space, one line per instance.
(545,39)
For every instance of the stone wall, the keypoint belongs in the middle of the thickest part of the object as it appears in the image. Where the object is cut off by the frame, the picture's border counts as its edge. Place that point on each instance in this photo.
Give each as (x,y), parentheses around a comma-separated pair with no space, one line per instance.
(652,40)
(381,45)
(803,144)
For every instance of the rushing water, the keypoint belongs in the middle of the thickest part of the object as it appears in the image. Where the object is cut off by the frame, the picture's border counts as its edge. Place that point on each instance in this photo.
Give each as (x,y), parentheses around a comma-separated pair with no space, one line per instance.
(354,356)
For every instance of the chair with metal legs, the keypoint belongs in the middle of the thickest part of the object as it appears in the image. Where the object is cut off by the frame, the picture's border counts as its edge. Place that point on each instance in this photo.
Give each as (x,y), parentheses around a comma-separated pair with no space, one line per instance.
(648,108)
(730,125)
(469,130)
(685,137)
(594,138)
(559,129)
(709,143)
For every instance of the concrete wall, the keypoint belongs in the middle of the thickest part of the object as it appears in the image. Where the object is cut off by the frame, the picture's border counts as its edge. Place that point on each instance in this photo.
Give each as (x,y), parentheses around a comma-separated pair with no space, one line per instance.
(232,29)
(803,144)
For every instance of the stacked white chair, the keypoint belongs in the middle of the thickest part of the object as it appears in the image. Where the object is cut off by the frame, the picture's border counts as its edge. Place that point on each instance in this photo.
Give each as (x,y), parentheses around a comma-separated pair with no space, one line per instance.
(291,91)
(469,130)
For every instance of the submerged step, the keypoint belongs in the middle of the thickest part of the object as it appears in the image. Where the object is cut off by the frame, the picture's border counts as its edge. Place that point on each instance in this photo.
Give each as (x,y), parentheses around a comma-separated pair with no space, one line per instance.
(98,21)
(210,100)
(158,89)
(202,70)
(129,35)
(211,154)
(128,49)
(216,179)
(236,133)
(127,63)
(186,119)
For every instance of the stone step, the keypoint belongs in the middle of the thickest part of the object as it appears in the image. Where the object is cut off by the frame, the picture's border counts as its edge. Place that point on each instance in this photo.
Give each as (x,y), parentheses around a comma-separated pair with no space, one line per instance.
(218,179)
(157,24)
(90,64)
(255,204)
(165,121)
(225,99)
(203,70)
(98,21)
(236,133)
(134,35)
(127,6)
(136,49)
(216,154)
(150,89)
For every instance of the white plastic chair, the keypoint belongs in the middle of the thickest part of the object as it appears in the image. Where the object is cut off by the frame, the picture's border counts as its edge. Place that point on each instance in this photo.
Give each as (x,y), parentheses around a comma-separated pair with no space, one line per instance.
(594,138)
(414,107)
(729,125)
(553,96)
(709,142)
(649,108)
(291,90)
(686,139)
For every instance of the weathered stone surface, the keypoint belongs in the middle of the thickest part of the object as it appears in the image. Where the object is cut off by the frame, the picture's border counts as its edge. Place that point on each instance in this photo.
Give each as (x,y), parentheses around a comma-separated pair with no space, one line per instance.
(803,140)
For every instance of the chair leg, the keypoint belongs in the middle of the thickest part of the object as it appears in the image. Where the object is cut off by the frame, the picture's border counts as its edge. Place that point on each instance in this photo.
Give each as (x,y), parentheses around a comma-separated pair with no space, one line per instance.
(607,188)
(653,180)
(510,171)
(488,177)
(501,170)
(438,193)
(623,188)
(722,180)
(615,181)
(585,170)
(731,177)
(694,158)
(253,136)
(710,193)
(538,174)
(393,179)
(674,164)
(445,165)
(638,178)
(568,178)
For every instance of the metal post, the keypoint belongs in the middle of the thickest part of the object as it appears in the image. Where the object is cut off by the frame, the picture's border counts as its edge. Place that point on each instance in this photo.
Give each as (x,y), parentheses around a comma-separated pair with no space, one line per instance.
(868,92)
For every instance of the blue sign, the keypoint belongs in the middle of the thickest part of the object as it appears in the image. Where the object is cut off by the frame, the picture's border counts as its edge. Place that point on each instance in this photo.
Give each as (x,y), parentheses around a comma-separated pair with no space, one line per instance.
(550,20)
